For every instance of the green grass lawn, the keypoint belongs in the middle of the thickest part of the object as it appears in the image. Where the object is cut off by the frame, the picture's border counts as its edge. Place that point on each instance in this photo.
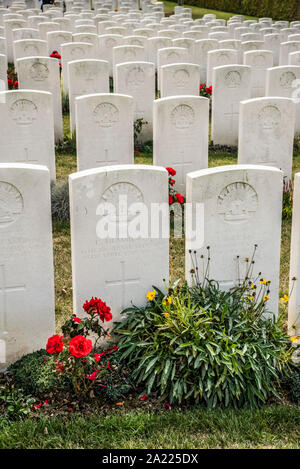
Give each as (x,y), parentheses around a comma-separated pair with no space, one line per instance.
(199,12)
(270,427)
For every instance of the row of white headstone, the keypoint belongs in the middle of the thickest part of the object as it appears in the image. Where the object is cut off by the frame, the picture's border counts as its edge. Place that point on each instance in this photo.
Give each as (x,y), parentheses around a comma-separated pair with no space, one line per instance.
(234,207)
(180,128)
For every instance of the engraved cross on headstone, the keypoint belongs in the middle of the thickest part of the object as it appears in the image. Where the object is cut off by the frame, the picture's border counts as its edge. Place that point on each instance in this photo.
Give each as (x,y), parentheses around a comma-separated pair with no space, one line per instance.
(180,167)
(232,115)
(123,282)
(106,160)
(4,290)
(27,158)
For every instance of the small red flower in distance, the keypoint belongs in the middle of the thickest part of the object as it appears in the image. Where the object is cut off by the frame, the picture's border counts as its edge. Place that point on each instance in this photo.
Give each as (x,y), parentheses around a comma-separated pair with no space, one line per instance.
(170,200)
(179,198)
(55,344)
(16,84)
(171,171)
(144,397)
(172,182)
(80,347)
(97,306)
(75,319)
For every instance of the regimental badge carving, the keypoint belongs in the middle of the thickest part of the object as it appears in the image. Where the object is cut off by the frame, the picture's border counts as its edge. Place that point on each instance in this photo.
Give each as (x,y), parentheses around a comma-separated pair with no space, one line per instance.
(182,116)
(77,52)
(233,79)
(31,49)
(172,55)
(136,42)
(286,80)
(11,204)
(123,193)
(269,117)
(106,114)
(135,77)
(110,42)
(181,77)
(24,112)
(259,60)
(223,59)
(39,71)
(237,202)
(129,53)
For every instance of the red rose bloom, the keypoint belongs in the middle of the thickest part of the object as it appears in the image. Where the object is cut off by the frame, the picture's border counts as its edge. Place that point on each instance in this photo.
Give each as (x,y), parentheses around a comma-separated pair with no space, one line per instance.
(80,347)
(170,200)
(55,344)
(75,319)
(16,84)
(97,306)
(179,198)
(171,171)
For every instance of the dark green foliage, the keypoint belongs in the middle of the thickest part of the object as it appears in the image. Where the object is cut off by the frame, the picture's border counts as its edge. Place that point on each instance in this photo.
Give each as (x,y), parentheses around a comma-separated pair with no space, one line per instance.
(276,9)
(207,346)
(17,404)
(65,104)
(291,384)
(60,204)
(34,373)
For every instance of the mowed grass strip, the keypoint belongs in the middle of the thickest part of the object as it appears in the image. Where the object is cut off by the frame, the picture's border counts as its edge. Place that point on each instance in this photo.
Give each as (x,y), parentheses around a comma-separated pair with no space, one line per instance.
(270,427)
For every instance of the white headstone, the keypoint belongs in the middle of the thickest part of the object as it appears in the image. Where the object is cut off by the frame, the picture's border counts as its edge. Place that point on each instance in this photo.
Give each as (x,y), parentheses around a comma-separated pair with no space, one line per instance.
(104,130)
(169,55)
(180,135)
(27,128)
(202,47)
(284,82)
(259,61)
(106,44)
(42,74)
(74,51)
(29,48)
(86,77)
(231,84)
(217,58)
(137,79)
(56,38)
(27,314)
(266,133)
(180,79)
(242,207)
(119,269)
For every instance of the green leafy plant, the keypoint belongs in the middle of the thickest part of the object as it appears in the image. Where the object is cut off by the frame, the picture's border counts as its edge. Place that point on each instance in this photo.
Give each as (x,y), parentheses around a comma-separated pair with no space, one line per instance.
(17,404)
(34,373)
(202,344)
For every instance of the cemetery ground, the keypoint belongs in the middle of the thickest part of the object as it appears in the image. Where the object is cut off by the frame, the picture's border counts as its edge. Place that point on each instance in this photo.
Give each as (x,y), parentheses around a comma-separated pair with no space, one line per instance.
(132,422)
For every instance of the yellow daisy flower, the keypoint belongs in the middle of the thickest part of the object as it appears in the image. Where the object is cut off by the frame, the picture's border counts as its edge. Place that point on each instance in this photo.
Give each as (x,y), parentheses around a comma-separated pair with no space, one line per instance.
(151,295)
(266,298)
(285,298)
(263,281)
